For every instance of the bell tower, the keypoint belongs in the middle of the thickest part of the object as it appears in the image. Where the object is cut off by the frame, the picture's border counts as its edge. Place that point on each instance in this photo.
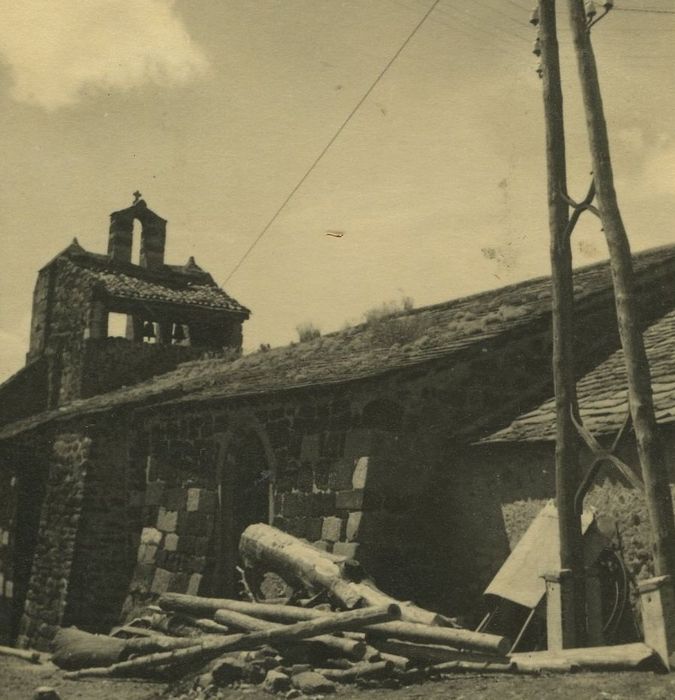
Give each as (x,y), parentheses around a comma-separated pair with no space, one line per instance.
(174,313)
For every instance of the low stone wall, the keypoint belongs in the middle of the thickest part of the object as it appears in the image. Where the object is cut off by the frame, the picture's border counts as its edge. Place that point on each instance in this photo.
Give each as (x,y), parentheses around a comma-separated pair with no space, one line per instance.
(173,552)
(59,521)
(8,504)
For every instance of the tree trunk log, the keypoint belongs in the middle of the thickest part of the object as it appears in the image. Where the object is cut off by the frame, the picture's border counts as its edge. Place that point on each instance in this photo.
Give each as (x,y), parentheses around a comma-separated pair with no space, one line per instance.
(211,648)
(621,657)
(474,667)
(407,631)
(365,669)
(265,547)
(351,648)
(74,648)
(425,634)
(426,653)
(24,654)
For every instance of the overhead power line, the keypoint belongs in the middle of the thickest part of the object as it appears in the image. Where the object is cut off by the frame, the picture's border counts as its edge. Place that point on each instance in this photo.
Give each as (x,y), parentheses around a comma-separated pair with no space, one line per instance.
(649,11)
(333,139)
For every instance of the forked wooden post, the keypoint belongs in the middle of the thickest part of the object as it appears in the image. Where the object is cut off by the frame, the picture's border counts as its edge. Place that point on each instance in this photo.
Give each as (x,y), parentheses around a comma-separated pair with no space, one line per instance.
(560,622)
(657,601)
(567,469)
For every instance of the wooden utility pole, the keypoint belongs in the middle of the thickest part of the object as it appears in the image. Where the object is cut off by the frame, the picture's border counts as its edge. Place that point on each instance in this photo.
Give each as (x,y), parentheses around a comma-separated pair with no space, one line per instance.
(654,470)
(567,469)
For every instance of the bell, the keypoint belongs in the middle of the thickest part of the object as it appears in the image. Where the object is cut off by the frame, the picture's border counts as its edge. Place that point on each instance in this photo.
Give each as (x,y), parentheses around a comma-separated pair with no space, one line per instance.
(534,18)
(608,5)
(590,9)
(178,332)
(148,329)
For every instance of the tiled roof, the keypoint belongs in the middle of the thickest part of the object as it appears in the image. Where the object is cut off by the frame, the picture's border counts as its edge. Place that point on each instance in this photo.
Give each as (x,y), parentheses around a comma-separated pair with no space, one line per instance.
(603,402)
(172,284)
(436,332)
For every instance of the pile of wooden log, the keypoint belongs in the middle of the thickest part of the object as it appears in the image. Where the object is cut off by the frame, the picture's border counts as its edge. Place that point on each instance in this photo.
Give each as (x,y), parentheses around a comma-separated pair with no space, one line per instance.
(347,631)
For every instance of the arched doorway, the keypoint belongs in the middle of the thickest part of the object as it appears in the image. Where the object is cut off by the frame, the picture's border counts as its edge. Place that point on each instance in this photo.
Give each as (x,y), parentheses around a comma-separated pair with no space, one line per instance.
(245,483)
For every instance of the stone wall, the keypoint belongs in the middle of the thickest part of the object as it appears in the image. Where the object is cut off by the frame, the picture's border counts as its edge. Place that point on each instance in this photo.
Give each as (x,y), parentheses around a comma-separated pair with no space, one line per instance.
(110,520)
(351,475)
(25,393)
(110,363)
(59,521)
(526,473)
(8,507)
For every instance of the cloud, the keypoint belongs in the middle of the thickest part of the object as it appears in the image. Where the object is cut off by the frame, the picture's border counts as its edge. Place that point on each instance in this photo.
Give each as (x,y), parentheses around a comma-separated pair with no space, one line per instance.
(59,51)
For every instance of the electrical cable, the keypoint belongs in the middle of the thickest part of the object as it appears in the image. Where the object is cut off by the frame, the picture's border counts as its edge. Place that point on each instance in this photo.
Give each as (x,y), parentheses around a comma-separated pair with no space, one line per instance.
(333,139)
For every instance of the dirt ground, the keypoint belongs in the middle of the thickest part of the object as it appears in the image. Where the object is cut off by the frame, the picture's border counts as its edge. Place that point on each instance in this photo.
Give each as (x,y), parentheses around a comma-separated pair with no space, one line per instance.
(18,681)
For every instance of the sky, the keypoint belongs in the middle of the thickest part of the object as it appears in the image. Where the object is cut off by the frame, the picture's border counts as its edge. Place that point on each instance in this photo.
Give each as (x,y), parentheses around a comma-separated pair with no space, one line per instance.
(216,109)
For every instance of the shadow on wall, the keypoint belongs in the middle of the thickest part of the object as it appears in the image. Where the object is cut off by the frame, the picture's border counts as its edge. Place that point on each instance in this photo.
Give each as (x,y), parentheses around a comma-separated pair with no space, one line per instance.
(430,527)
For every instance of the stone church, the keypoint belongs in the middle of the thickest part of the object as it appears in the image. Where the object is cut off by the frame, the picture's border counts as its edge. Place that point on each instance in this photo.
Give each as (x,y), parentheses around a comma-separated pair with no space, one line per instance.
(137,442)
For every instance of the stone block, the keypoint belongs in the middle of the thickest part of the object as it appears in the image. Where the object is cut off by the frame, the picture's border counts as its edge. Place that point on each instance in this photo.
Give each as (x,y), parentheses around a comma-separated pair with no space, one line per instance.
(179,582)
(201,546)
(323,545)
(313,528)
(360,475)
(321,473)
(195,523)
(161,581)
(154,493)
(305,477)
(150,535)
(331,529)
(296,527)
(186,544)
(193,584)
(196,565)
(357,499)
(346,549)
(174,499)
(322,503)
(358,443)
(311,448)
(340,475)
(354,525)
(312,683)
(296,504)
(147,553)
(193,499)
(171,542)
(167,520)
(202,500)
(276,682)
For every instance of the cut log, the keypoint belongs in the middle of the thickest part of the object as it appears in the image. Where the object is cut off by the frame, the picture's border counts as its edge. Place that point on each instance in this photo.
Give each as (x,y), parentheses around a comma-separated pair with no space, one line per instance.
(264,547)
(621,657)
(427,654)
(402,663)
(407,631)
(196,605)
(349,647)
(31,656)
(425,634)
(474,667)
(157,642)
(213,647)
(74,648)
(365,669)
